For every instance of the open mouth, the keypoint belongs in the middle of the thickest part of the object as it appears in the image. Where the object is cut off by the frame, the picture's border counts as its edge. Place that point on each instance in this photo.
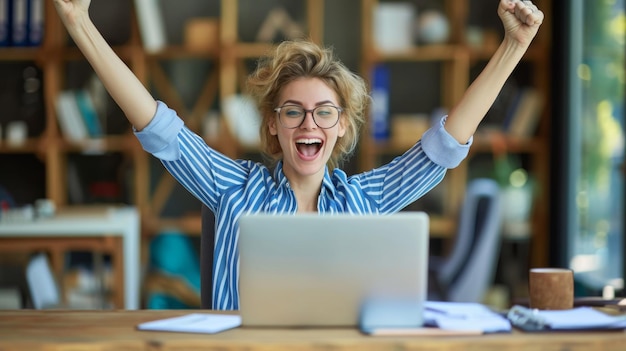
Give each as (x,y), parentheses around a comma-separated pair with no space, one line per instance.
(308,147)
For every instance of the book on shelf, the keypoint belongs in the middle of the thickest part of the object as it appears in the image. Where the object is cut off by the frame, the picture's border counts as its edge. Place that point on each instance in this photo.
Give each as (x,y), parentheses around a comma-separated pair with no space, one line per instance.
(75,186)
(522,117)
(21,22)
(151,26)
(99,98)
(380,103)
(70,118)
(5,23)
(88,113)
(78,117)
(35,22)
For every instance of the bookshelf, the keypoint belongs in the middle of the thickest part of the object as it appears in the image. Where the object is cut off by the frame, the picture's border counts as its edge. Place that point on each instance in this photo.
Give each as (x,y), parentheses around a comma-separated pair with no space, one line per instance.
(63,68)
(228,62)
(447,68)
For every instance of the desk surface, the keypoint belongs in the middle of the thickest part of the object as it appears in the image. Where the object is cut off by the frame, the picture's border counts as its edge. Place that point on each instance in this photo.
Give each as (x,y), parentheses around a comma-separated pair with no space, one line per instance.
(115,330)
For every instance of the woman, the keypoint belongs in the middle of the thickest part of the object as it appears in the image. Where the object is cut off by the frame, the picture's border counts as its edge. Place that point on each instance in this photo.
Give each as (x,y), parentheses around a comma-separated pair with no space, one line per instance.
(312,108)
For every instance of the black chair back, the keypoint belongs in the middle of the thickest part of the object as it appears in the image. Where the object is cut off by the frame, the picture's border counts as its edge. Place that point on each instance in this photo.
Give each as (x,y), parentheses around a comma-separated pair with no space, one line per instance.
(207,245)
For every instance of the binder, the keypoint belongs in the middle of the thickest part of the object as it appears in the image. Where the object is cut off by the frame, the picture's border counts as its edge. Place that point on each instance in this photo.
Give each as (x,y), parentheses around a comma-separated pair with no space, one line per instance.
(380,103)
(35,22)
(19,20)
(5,23)
(576,319)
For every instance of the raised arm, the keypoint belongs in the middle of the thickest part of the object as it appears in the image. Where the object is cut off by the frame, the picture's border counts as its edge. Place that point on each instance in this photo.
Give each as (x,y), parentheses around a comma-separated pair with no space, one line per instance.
(521,20)
(127,91)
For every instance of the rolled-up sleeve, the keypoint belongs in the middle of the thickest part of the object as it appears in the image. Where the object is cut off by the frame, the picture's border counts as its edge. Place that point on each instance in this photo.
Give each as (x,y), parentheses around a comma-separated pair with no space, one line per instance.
(159,137)
(442,148)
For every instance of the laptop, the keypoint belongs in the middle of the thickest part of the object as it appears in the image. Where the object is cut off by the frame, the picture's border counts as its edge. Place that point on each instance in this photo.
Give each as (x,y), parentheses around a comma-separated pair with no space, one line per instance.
(311,270)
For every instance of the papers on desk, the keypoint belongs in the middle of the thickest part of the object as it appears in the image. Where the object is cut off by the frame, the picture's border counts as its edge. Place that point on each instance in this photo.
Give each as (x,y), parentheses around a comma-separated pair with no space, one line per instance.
(464,316)
(206,323)
(579,318)
(473,316)
(445,319)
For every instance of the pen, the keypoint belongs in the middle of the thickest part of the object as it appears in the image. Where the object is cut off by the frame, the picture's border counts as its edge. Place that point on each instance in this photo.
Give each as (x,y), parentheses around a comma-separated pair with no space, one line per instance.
(445,313)
(618,303)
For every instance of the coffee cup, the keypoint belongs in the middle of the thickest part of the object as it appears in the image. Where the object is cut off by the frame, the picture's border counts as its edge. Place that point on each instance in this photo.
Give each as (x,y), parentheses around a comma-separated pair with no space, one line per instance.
(551,288)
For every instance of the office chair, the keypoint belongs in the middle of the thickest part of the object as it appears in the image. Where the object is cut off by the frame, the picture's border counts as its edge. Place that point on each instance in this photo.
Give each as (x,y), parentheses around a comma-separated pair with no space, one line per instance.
(465,275)
(207,244)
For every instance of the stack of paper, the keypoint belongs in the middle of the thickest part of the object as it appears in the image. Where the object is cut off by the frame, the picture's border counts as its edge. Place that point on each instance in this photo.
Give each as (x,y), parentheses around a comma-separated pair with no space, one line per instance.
(441,318)
(464,316)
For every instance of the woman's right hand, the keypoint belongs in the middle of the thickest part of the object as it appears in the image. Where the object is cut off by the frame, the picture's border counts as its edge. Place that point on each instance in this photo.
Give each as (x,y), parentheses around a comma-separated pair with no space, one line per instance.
(72,11)
(121,83)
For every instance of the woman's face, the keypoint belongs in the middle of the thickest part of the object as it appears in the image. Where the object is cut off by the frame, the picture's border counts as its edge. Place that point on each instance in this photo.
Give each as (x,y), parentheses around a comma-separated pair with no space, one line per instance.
(306,148)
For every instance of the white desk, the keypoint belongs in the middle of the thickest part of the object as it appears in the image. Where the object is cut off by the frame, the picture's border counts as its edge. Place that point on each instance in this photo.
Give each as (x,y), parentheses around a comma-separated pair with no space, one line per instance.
(100,228)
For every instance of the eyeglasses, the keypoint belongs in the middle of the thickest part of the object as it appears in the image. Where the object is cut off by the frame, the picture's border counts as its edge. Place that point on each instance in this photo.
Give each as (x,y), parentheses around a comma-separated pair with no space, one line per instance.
(324,116)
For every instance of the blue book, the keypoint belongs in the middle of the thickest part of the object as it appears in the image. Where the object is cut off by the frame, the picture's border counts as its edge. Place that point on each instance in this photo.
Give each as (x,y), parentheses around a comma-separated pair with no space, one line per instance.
(35,22)
(89,114)
(5,23)
(380,103)
(19,19)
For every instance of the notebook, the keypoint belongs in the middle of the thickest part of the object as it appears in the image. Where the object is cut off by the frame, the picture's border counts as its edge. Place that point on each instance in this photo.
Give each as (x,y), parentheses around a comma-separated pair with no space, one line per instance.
(311,270)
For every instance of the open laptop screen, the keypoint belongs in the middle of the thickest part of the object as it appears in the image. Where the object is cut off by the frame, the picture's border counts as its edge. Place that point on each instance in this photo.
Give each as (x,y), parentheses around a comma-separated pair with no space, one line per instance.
(318,270)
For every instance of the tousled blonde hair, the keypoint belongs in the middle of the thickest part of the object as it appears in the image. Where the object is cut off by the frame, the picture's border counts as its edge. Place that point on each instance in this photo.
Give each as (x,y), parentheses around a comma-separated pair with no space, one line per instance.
(302,58)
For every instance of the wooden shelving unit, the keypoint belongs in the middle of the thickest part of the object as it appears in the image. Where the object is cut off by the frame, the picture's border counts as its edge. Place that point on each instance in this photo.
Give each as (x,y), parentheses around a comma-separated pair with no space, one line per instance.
(223,81)
(455,58)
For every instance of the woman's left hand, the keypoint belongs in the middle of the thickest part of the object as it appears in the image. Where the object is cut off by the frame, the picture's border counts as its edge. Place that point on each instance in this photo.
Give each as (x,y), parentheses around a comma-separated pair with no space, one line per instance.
(521,20)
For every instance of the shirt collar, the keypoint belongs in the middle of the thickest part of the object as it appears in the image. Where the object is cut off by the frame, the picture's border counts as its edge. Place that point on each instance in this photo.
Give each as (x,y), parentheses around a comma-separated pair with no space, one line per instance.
(282,181)
(279,175)
(327,183)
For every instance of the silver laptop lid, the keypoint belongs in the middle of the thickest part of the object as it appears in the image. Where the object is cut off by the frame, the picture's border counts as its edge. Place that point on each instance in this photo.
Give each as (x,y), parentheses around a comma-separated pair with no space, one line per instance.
(317,270)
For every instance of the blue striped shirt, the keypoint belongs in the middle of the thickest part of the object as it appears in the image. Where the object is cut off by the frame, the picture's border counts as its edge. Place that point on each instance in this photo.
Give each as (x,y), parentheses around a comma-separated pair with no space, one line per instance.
(231,188)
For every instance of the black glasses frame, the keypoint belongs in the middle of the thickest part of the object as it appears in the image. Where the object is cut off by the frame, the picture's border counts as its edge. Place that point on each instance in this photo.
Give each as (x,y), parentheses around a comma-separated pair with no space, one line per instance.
(312,112)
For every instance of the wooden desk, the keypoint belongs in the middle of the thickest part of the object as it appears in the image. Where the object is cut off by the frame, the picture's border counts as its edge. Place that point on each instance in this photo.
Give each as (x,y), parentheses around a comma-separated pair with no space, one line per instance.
(112,230)
(115,330)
